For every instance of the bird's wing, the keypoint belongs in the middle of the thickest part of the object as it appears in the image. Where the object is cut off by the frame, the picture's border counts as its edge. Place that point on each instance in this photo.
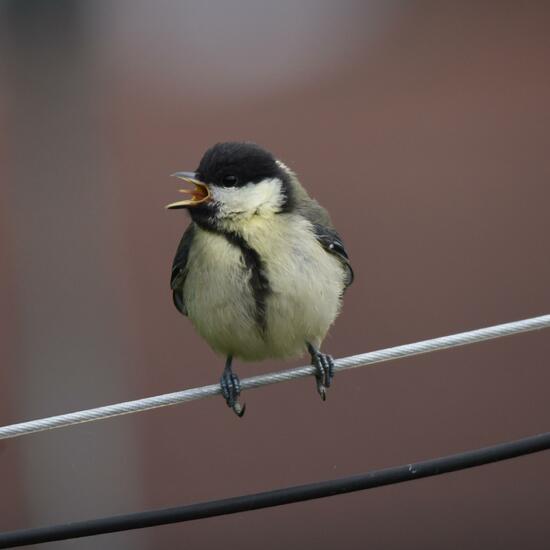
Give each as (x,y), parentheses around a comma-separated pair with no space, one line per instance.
(324,231)
(333,244)
(179,268)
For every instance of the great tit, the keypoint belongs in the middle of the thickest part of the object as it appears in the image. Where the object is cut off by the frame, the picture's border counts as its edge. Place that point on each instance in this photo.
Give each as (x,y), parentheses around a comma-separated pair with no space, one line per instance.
(260,271)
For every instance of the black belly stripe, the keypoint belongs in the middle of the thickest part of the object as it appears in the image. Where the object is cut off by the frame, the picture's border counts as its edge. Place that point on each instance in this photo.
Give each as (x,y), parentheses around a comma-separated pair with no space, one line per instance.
(259,283)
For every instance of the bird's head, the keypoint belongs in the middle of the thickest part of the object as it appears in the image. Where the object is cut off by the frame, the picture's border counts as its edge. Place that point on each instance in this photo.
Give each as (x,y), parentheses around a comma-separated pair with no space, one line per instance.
(234,182)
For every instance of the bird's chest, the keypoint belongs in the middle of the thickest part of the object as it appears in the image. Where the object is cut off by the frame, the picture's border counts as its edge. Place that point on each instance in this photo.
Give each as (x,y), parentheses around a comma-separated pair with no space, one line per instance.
(287,288)
(217,279)
(285,251)
(298,269)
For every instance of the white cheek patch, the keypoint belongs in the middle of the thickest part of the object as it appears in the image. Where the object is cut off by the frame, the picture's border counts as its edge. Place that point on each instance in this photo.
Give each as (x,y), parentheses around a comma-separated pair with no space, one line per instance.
(263,198)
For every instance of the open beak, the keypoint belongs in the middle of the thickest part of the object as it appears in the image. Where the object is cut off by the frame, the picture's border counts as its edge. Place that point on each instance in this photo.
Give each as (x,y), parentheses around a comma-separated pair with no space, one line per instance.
(199,194)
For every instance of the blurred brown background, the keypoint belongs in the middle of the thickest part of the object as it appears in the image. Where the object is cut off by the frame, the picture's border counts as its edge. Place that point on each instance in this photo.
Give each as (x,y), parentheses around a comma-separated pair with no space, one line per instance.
(423,126)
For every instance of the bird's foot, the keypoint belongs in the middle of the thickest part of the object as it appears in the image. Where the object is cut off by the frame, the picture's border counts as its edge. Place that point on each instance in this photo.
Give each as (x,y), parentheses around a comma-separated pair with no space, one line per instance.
(324,365)
(231,389)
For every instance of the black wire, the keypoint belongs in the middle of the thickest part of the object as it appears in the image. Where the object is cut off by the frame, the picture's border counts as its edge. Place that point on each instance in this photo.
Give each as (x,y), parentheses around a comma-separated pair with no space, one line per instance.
(288,495)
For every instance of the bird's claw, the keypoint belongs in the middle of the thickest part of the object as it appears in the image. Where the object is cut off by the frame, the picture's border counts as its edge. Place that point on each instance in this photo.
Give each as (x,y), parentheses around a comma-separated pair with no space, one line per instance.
(324,366)
(231,389)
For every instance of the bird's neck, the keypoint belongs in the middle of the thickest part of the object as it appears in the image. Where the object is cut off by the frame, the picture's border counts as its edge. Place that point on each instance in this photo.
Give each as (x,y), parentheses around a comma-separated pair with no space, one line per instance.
(240,224)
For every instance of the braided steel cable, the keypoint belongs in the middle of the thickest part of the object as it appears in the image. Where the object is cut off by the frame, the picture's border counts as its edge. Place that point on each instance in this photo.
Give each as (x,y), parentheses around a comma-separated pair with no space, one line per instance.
(354,361)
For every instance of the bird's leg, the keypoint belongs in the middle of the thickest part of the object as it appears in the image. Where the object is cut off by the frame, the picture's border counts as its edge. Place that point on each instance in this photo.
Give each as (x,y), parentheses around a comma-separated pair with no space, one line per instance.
(324,366)
(231,388)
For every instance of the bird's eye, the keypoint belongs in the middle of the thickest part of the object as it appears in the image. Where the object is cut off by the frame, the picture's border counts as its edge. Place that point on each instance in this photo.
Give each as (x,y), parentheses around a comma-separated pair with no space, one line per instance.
(230,180)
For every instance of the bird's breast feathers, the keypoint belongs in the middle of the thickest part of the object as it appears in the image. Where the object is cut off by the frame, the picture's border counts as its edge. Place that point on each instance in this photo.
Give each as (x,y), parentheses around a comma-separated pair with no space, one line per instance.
(303,299)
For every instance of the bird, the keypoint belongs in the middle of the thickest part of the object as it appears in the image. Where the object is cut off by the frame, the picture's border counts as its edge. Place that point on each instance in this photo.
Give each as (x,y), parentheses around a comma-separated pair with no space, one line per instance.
(260,271)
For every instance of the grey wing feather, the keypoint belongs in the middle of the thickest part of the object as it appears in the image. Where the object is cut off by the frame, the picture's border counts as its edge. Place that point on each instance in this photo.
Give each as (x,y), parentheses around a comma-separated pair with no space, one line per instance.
(179,268)
(322,225)
(333,244)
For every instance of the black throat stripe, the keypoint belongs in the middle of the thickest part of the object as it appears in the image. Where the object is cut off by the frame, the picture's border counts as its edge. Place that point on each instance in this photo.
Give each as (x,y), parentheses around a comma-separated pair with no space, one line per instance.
(259,283)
